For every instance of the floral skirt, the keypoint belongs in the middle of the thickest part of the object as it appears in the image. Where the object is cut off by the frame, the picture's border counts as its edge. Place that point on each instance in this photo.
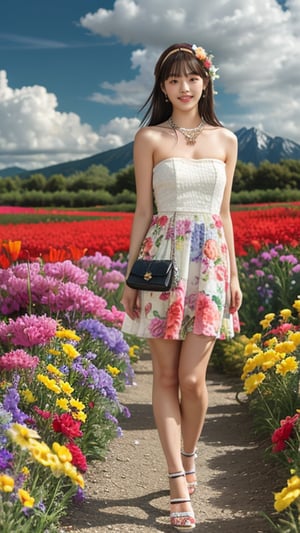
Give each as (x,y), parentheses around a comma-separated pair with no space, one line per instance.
(200,301)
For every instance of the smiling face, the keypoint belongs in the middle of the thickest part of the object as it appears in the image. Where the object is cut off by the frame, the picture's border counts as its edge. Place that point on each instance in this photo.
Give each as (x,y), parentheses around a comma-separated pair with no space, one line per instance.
(184,90)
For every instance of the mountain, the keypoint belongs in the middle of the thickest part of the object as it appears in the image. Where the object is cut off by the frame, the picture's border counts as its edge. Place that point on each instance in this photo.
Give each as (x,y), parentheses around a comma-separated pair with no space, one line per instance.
(11,171)
(254,146)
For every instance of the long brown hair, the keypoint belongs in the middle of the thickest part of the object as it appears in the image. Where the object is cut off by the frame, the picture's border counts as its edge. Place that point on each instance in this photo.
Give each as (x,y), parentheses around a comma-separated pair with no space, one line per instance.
(178,60)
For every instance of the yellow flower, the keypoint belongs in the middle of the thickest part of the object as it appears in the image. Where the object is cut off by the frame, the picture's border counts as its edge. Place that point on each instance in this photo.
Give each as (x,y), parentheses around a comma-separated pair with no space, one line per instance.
(270,316)
(251,364)
(7,483)
(79,415)
(266,322)
(25,498)
(66,387)
(271,342)
(63,403)
(49,383)
(62,452)
(67,334)
(72,473)
(77,404)
(256,338)
(296,305)
(28,396)
(70,351)
(285,313)
(295,337)
(113,370)
(270,358)
(285,347)
(288,494)
(22,435)
(252,382)
(40,452)
(53,370)
(132,350)
(25,471)
(54,352)
(287,365)
(251,348)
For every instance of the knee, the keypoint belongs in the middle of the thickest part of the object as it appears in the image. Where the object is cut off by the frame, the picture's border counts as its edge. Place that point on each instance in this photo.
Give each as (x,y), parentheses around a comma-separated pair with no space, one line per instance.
(167,380)
(190,385)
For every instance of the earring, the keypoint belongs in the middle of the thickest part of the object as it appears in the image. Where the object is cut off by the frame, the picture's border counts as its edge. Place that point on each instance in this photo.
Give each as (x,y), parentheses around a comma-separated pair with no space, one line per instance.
(166,97)
(204,94)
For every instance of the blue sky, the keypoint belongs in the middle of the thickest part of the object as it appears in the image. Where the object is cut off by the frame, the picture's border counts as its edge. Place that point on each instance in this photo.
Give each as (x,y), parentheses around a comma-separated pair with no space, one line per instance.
(73,73)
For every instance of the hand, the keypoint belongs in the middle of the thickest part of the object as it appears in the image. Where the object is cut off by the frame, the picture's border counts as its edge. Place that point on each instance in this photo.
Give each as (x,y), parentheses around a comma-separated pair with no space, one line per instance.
(131,302)
(236,296)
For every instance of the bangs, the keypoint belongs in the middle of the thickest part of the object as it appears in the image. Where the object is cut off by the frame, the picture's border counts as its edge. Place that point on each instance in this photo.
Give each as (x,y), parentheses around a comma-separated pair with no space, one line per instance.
(182,64)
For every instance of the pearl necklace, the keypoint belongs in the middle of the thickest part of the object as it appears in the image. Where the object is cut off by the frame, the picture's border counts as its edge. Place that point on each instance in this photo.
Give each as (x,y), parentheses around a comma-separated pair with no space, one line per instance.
(190,134)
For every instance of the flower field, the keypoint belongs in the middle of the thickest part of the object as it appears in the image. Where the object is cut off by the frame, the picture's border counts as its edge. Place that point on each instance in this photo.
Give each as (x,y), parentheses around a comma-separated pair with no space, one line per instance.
(63,358)
(109,232)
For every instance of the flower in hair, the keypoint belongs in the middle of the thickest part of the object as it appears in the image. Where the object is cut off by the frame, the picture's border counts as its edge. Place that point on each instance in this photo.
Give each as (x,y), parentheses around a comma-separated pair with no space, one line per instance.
(206,59)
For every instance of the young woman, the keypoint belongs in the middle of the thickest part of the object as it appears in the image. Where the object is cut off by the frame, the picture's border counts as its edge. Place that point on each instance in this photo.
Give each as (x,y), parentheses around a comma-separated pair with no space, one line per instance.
(184,162)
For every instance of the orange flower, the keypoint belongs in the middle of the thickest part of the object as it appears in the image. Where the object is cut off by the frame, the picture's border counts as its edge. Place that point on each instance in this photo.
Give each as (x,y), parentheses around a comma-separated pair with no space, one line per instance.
(12,249)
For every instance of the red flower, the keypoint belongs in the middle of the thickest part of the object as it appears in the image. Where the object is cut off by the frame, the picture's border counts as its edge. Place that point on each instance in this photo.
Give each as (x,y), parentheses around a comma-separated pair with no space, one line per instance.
(66,424)
(78,459)
(283,433)
(43,414)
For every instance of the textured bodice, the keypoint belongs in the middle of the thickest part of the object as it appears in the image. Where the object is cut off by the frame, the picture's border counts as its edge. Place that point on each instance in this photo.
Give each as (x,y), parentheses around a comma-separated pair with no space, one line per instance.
(189,185)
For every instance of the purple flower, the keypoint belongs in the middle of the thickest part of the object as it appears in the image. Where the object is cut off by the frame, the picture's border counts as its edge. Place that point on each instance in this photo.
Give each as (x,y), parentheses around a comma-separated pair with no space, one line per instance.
(111,337)
(289,259)
(296,269)
(10,403)
(79,497)
(66,271)
(5,459)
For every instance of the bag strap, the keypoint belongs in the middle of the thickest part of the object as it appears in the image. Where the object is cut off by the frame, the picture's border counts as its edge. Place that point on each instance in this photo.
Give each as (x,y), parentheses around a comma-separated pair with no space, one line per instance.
(172,226)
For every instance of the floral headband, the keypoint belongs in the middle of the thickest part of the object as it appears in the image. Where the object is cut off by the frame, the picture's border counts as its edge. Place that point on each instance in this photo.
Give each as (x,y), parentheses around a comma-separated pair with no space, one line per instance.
(201,55)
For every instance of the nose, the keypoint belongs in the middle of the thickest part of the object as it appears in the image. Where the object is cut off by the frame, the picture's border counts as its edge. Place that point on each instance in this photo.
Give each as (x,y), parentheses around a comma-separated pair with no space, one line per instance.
(184,88)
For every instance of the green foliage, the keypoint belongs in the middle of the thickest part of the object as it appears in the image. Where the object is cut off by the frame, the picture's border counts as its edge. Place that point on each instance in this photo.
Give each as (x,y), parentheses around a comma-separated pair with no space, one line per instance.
(124,180)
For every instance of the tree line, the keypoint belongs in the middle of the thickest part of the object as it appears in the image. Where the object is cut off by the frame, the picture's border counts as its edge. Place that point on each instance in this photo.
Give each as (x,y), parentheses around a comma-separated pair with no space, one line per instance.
(268,182)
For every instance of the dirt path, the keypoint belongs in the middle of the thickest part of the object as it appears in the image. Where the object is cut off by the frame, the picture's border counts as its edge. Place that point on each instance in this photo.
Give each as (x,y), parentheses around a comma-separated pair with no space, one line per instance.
(129,492)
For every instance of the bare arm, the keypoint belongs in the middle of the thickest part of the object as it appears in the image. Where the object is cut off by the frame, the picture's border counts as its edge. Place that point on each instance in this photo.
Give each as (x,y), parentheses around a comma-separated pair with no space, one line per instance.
(235,291)
(143,167)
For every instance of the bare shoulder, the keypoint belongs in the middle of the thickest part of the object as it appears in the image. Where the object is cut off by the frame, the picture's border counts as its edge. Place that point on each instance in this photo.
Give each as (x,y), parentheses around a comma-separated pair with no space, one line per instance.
(229,141)
(150,134)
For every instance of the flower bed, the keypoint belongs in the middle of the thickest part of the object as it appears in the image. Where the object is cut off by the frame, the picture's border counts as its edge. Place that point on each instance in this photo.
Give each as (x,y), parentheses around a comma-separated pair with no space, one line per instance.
(63,361)
(271,381)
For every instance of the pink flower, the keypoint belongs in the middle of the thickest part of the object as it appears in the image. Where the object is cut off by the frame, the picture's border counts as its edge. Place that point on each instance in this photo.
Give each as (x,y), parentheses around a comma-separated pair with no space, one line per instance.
(157,327)
(162,220)
(148,308)
(174,320)
(43,414)
(28,330)
(207,317)
(147,245)
(18,359)
(66,271)
(211,249)
(218,221)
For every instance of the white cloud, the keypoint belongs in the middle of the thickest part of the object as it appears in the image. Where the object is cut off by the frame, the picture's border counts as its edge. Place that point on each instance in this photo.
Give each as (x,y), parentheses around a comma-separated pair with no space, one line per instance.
(34,134)
(256,45)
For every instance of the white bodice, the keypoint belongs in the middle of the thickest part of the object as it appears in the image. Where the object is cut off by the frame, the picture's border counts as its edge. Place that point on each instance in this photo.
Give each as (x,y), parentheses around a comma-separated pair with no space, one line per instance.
(189,185)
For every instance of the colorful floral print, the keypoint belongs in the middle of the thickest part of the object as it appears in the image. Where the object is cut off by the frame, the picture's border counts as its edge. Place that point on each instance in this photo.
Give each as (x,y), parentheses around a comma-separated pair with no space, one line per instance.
(199,303)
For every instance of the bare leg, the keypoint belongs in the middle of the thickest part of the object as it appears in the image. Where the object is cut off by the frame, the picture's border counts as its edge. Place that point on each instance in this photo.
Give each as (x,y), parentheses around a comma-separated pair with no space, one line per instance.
(167,412)
(194,358)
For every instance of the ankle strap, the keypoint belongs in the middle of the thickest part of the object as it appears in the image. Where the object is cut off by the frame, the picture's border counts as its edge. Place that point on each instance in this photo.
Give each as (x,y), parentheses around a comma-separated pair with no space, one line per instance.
(176,474)
(186,454)
(179,500)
